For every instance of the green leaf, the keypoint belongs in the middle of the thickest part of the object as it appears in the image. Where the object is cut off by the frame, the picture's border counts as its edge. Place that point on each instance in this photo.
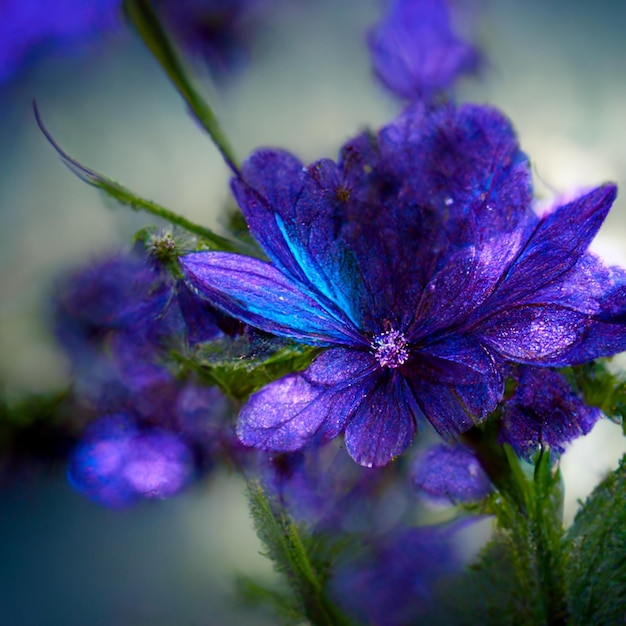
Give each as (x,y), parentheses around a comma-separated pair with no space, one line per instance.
(127,198)
(280,602)
(143,18)
(222,363)
(291,549)
(596,542)
(528,507)
(600,387)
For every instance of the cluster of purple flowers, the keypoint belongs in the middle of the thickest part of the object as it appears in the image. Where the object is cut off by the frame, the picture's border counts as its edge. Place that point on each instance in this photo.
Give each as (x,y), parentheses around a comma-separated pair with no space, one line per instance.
(117,320)
(434,289)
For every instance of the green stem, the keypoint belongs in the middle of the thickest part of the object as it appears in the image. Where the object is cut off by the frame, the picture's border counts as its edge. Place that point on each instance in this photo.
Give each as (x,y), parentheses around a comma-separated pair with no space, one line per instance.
(287,549)
(126,197)
(146,23)
(547,531)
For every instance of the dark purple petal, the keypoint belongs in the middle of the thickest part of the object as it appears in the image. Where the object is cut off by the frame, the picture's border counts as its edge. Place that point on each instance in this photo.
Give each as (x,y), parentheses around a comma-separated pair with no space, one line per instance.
(590,286)
(258,294)
(468,277)
(462,172)
(415,51)
(453,409)
(382,427)
(289,413)
(198,314)
(555,246)
(457,359)
(269,186)
(452,473)
(544,411)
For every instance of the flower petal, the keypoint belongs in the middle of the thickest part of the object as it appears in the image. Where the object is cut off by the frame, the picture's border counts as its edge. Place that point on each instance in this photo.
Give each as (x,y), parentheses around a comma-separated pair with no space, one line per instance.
(270,183)
(383,426)
(544,410)
(555,246)
(535,334)
(454,409)
(458,359)
(288,414)
(258,294)
(415,51)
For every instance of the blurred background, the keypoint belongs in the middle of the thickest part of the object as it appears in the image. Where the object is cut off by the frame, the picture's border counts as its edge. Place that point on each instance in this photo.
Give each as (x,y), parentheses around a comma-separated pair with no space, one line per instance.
(557,69)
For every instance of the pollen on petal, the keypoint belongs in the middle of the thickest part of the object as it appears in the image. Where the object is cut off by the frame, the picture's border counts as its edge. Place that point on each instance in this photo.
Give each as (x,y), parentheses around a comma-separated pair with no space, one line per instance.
(390,348)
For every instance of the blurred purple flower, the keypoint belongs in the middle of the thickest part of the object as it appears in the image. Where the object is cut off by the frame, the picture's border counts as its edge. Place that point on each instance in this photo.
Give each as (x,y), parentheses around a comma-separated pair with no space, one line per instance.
(392,582)
(419,262)
(323,487)
(115,317)
(31,27)
(118,462)
(216,30)
(450,473)
(415,50)
(544,411)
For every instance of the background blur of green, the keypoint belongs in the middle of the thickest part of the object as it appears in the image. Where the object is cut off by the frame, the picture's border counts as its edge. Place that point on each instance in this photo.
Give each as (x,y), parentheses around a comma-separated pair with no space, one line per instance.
(557,69)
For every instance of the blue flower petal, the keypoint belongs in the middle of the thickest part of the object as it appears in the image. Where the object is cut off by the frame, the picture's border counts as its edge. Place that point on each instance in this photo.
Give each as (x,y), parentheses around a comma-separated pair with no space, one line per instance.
(258,294)
(555,246)
(288,413)
(453,409)
(269,186)
(295,213)
(384,425)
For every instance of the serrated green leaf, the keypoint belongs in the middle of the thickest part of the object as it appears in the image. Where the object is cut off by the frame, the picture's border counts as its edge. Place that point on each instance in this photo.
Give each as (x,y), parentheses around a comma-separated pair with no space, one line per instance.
(146,23)
(287,546)
(596,542)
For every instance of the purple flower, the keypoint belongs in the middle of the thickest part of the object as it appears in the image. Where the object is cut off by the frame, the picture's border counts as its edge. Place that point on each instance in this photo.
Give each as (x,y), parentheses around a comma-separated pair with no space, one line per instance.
(415,50)
(544,411)
(323,487)
(419,263)
(30,27)
(118,463)
(218,31)
(450,473)
(392,582)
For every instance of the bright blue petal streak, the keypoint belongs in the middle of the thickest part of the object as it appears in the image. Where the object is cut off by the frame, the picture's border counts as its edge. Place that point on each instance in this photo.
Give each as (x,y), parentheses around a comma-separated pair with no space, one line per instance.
(255,292)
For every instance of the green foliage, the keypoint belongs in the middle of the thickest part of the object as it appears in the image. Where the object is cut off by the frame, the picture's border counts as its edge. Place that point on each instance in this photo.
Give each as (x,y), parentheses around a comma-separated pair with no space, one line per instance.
(601,388)
(301,557)
(519,577)
(228,364)
(143,18)
(596,543)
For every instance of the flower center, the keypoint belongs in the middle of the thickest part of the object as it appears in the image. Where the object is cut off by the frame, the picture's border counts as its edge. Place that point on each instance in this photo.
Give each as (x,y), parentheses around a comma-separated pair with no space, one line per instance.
(390,348)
